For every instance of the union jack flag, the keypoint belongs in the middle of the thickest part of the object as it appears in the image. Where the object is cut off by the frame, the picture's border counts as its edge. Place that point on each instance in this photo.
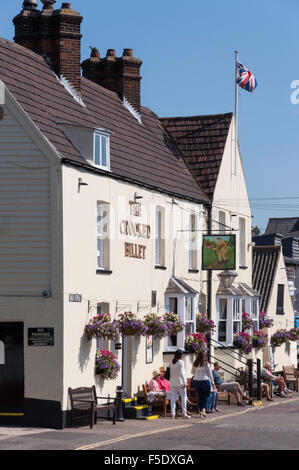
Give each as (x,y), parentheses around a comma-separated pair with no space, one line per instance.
(245,78)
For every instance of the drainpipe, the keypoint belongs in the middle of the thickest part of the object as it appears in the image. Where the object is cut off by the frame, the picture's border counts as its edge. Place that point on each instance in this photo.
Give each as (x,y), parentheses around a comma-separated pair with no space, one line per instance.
(209,283)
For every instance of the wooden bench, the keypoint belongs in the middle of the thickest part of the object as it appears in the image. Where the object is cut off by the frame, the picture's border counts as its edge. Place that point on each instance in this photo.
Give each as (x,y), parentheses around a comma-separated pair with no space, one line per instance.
(159,401)
(84,402)
(290,376)
(192,397)
(224,396)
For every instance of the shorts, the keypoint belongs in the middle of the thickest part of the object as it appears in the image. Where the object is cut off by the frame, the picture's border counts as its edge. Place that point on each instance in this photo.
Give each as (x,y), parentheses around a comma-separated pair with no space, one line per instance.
(229,386)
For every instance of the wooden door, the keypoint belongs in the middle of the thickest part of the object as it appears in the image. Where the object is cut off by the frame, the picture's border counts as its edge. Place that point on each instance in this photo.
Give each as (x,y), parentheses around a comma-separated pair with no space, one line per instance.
(11,367)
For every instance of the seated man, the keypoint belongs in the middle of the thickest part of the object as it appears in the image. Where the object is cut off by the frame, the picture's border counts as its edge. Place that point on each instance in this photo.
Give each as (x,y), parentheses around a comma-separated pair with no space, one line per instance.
(229,386)
(265,387)
(277,380)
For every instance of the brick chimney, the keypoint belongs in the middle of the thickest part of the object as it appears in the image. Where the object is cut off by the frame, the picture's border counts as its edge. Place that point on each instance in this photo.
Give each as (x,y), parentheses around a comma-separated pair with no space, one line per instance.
(55,34)
(119,74)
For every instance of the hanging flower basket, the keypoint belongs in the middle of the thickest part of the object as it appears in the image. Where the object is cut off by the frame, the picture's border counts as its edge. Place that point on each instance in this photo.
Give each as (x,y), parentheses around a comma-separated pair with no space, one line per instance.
(196,342)
(204,325)
(155,325)
(294,334)
(129,325)
(243,341)
(259,340)
(173,323)
(264,321)
(280,337)
(101,326)
(106,365)
(247,322)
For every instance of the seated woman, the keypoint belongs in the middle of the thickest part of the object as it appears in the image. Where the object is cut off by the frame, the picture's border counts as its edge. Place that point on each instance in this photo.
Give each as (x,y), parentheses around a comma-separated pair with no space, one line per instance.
(163,383)
(154,388)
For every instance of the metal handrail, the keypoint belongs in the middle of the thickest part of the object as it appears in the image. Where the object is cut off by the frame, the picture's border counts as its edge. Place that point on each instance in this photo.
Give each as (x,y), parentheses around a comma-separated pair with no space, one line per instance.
(232,373)
(230,353)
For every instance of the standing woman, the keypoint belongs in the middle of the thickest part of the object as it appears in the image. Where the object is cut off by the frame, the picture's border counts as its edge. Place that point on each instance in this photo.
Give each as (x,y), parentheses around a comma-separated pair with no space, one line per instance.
(203,380)
(178,384)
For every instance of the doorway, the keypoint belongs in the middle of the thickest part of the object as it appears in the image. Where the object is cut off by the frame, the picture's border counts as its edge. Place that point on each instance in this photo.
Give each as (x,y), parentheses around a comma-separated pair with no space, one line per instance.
(11,367)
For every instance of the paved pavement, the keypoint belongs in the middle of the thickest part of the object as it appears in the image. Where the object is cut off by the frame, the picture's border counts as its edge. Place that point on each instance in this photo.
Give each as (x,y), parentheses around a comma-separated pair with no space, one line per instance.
(267,427)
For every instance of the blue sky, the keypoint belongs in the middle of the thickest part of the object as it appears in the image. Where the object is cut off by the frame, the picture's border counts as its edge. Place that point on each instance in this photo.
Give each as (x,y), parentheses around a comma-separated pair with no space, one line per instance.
(187,50)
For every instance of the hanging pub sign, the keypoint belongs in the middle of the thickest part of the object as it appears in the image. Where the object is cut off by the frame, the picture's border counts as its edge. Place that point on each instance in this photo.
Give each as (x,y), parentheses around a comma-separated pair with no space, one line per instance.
(219,252)
(40,336)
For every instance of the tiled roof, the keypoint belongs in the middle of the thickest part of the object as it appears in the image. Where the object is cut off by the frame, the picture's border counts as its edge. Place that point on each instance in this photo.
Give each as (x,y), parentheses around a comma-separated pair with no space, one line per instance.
(201,141)
(287,226)
(265,261)
(142,153)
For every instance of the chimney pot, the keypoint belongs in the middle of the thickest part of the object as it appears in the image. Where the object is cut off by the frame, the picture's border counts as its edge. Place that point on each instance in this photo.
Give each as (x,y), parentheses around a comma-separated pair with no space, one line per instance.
(95,53)
(66,6)
(111,53)
(29,4)
(118,74)
(128,53)
(48,4)
(53,34)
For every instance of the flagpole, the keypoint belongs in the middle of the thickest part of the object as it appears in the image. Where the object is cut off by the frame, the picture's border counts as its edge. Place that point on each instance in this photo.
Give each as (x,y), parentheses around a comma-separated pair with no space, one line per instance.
(236,110)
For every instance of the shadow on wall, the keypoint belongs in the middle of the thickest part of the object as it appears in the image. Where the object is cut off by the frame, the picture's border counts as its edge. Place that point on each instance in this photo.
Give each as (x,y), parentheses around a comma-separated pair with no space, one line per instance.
(84,352)
(99,382)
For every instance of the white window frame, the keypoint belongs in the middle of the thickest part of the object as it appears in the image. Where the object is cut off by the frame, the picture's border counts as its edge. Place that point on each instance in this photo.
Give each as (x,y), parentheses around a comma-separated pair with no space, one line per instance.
(185,303)
(234,316)
(237,315)
(222,222)
(103,244)
(98,159)
(242,241)
(193,243)
(223,320)
(159,239)
(254,312)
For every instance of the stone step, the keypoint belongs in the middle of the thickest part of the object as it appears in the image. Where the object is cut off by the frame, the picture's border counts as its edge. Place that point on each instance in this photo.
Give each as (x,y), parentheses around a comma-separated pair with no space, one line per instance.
(135,412)
(131,401)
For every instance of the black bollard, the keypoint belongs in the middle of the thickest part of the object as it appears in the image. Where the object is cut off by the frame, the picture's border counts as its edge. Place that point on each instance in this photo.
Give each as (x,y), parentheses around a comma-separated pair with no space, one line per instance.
(250,379)
(259,387)
(119,404)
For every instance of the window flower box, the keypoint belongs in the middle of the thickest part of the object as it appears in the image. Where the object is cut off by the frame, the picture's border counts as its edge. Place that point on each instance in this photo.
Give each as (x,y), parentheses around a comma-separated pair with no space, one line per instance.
(259,340)
(173,323)
(204,325)
(280,337)
(129,325)
(196,342)
(156,326)
(243,341)
(264,321)
(106,364)
(247,322)
(101,326)
(294,334)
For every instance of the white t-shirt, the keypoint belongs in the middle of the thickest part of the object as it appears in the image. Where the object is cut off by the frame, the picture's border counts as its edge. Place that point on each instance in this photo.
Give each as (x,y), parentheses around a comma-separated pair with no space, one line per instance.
(202,373)
(177,374)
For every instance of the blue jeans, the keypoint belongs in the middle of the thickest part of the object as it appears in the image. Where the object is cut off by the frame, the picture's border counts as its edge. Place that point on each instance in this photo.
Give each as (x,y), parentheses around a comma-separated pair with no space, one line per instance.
(212,401)
(203,388)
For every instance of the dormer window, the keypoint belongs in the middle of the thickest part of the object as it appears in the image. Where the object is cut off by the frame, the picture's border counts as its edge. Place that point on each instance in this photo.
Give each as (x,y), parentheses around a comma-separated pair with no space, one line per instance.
(101,152)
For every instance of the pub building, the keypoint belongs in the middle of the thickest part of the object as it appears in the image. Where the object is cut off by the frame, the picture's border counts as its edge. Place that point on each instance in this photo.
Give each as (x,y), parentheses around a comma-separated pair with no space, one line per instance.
(104,208)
